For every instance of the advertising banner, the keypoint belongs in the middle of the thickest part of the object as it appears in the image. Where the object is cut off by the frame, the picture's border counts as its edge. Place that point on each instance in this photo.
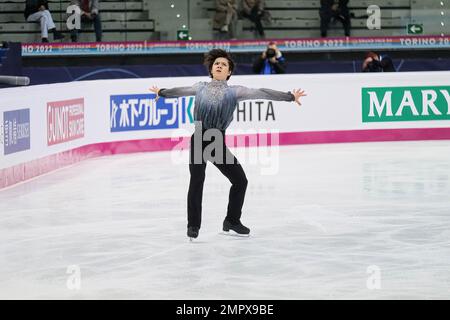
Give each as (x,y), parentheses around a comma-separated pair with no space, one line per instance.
(16,134)
(118,116)
(186,47)
(65,121)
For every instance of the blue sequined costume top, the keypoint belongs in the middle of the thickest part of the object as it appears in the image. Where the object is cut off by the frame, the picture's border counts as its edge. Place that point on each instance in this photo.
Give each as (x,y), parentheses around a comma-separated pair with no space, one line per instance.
(215,101)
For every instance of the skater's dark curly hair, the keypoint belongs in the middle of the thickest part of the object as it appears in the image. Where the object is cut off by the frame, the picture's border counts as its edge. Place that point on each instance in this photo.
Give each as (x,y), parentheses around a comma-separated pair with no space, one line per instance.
(212,55)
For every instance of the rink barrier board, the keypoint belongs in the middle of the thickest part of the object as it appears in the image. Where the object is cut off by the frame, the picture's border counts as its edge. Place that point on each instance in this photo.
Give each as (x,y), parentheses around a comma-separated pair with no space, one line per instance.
(53,131)
(31,169)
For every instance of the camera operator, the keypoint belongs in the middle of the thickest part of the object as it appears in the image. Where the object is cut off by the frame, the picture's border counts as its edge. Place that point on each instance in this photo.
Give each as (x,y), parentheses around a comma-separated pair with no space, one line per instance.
(271,61)
(374,62)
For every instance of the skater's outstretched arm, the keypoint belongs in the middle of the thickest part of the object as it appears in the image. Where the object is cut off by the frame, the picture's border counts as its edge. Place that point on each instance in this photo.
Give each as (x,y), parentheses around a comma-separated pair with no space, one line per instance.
(175,92)
(244,93)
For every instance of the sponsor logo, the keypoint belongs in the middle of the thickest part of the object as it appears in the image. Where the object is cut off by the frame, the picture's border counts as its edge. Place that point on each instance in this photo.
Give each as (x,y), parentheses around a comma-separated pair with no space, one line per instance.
(16,130)
(405,103)
(249,111)
(142,112)
(65,121)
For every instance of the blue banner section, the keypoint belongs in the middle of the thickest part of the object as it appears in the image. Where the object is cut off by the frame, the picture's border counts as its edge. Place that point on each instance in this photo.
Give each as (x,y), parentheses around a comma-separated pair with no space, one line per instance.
(41,75)
(16,126)
(142,112)
(10,59)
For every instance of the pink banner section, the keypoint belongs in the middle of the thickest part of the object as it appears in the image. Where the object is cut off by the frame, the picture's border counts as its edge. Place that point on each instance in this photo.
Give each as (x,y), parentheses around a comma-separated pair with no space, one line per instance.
(25,171)
(364,135)
(65,121)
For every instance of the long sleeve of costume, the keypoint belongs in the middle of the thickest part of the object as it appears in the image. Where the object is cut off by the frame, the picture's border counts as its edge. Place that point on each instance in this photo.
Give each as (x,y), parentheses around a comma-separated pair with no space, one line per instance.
(215,101)
(244,93)
(178,91)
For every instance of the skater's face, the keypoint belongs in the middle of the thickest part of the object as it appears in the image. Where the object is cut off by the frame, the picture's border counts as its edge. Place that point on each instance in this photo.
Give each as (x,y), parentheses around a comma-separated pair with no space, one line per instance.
(221,69)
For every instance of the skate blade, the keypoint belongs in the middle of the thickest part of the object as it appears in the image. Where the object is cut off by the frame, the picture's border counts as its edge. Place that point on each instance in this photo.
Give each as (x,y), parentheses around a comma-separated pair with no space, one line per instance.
(232,233)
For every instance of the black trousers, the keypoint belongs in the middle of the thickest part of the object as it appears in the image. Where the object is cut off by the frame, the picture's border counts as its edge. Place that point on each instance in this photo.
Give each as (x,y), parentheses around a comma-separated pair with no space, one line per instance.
(206,148)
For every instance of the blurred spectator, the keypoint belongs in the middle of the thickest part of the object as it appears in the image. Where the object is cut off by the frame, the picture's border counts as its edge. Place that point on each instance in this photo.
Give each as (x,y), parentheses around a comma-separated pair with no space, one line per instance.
(226,17)
(271,61)
(254,10)
(89,14)
(374,62)
(336,10)
(37,11)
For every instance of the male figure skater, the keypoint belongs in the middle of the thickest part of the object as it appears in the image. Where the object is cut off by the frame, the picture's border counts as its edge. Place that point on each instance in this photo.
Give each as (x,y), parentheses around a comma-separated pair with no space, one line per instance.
(215,103)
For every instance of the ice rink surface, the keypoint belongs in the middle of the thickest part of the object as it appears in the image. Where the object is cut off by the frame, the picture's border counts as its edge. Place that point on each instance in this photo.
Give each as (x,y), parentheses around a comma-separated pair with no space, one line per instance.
(331,221)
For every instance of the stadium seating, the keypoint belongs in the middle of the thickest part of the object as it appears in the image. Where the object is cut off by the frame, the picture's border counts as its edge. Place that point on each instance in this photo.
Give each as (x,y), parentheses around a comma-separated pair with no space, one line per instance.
(121,21)
(155,19)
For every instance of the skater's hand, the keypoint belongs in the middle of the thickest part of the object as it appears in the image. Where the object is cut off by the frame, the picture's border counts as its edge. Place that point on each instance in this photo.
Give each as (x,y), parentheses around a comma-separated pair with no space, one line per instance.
(297,94)
(155,90)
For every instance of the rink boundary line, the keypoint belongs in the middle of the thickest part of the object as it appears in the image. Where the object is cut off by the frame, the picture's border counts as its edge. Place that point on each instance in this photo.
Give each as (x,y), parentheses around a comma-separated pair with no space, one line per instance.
(11,176)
